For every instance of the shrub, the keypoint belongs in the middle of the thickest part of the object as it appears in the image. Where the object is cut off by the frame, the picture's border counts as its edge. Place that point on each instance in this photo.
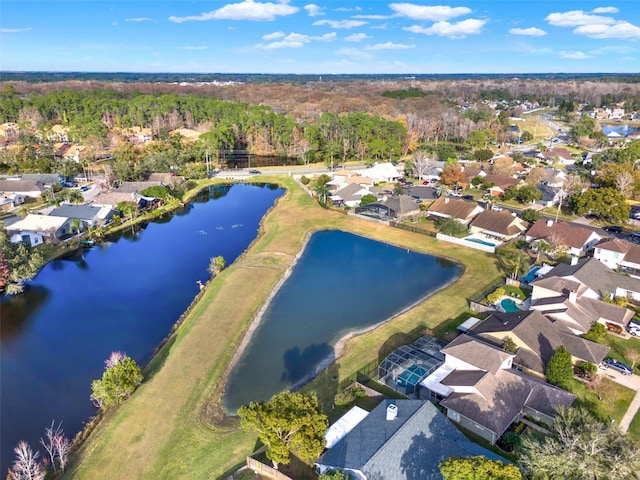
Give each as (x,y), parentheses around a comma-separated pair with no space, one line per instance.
(495,295)
(586,370)
(349,395)
(559,370)
(304,180)
(596,333)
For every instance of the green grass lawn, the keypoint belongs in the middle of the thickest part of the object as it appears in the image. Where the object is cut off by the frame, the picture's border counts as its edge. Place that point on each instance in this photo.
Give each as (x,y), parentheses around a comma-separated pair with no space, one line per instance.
(174,426)
(634,428)
(615,399)
(624,349)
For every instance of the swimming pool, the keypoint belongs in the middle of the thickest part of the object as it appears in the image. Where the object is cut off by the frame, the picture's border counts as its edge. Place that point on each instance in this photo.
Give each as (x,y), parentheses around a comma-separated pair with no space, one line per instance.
(411,376)
(530,276)
(509,305)
(481,242)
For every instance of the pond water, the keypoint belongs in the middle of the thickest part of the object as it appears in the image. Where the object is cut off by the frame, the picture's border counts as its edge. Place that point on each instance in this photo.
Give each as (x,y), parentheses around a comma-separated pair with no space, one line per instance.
(341,283)
(623,130)
(122,295)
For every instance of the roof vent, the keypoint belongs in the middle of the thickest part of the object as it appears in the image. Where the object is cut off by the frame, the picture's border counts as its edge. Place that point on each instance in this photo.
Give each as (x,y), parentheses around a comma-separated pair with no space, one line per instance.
(505,322)
(549,223)
(392,412)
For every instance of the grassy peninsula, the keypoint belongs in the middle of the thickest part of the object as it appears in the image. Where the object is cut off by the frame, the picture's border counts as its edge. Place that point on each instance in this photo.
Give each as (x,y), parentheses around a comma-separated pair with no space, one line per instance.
(173,426)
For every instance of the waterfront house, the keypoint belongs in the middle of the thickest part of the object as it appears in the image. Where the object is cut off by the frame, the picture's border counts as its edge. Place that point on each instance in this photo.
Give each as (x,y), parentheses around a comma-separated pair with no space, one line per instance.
(88,215)
(502,226)
(400,440)
(37,229)
(461,210)
(392,207)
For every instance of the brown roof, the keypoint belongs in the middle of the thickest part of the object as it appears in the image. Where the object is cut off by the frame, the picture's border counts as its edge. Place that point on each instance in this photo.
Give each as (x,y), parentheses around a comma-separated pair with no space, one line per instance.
(502,181)
(476,353)
(20,186)
(566,234)
(114,198)
(557,152)
(453,207)
(631,251)
(499,222)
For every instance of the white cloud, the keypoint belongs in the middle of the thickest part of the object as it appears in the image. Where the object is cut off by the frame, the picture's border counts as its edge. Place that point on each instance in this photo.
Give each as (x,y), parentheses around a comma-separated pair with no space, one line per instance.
(605,10)
(139,19)
(433,13)
(340,23)
(389,46)
(273,36)
(15,30)
(576,18)
(195,47)
(345,9)
(313,10)
(373,17)
(356,37)
(574,55)
(245,10)
(460,29)
(530,32)
(353,53)
(384,26)
(623,30)
(294,40)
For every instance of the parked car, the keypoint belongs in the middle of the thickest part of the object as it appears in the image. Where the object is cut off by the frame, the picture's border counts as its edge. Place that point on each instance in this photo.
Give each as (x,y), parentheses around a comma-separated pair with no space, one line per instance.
(623,368)
(255,172)
(408,184)
(634,329)
(613,229)
(84,188)
(468,197)
(455,194)
(496,208)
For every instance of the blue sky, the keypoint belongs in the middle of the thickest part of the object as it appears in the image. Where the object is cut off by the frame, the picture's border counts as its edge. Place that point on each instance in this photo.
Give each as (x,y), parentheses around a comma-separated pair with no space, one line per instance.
(323,36)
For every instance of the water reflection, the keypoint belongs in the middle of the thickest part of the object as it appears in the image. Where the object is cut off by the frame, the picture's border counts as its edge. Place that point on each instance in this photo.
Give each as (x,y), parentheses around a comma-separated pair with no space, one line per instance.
(18,310)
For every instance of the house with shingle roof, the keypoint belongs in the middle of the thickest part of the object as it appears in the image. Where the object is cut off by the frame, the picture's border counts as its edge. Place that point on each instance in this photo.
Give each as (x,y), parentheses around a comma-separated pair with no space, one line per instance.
(484,394)
(501,184)
(24,188)
(393,207)
(350,195)
(36,229)
(572,295)
(501,225)
(560,154)
(113,198)
(400,440)
(461,210)
(89,215)
(537,336)
(563,236)
(619,254)
(381,172)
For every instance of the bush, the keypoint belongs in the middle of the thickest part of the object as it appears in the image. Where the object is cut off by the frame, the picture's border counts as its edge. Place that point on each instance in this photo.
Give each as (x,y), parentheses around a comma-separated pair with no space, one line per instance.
(451,226)
(304,180)
(509,441)
(530,215)
(495,295)
(349,395)
(118,382)
(586,370)
(596,333)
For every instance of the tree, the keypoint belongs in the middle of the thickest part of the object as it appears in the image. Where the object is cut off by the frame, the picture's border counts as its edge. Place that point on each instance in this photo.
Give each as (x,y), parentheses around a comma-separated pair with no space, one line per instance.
(216,265)
(73,196)
(559,370)
(26,465)
(322,193)
(606,203)
(128,209)
(530,215)
(18,264)
(56,445)
(579,446)
(509,345)
(451,226)
(478,468)
(596,332)
(334,475)
(288,422)
(452,174)
(367,199)
(117,384)
(421,164)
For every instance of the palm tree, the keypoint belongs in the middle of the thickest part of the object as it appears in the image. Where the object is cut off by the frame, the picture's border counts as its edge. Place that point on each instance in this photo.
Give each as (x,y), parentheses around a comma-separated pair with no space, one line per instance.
(75,224)
(322,192)
(73,196)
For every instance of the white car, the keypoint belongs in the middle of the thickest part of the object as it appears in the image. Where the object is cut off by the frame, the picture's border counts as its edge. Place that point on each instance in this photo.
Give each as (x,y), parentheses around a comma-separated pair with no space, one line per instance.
(496,208)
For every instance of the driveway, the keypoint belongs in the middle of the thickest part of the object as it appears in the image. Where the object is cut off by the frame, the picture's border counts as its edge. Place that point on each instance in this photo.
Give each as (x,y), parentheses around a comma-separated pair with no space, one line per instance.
(632,382)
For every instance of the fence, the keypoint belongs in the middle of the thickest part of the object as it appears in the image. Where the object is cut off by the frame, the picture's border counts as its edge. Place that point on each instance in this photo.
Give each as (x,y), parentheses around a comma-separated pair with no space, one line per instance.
(411,228)
(466,243)
(265,470)
(480,308)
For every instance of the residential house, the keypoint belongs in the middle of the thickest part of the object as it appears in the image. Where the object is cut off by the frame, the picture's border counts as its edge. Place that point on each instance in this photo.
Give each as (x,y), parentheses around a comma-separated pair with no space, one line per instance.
(59,133)
(399,440)
(537,337)
(563,236)
(461,210)
(88,215)
(484,394)
(502,226)
(76,153)
(554,178)
(23,188)
(619,254)
(47,179)
(9,201)
(381,172)
(573,294)
(349,195)
(500,184)
(550,195)
(557,155)
(135,135)
(36,229)
(136,187)
(392,207)
(113,198)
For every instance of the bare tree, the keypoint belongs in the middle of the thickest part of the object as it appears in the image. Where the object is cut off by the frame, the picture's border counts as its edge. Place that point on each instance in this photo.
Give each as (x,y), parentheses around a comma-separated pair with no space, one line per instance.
(422,164)
(62,448)
(56,445)
(114,358)
(624,183)
(632,355)
(26,465)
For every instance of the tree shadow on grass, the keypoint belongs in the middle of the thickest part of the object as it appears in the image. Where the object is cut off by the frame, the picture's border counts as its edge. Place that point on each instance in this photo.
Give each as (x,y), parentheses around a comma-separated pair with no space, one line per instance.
(400,338)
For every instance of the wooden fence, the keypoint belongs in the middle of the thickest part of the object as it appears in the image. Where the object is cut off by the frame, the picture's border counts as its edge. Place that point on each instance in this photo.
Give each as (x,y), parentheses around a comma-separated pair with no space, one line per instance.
(265,470)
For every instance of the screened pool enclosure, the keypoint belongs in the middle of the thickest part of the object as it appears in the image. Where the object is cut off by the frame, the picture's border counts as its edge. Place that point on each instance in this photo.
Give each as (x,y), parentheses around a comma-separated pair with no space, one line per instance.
(408,365)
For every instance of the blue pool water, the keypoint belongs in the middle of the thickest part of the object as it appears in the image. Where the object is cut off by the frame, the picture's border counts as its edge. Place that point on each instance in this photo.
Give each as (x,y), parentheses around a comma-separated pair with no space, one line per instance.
(530,276)
(509,305)
(411,376)
(481,242)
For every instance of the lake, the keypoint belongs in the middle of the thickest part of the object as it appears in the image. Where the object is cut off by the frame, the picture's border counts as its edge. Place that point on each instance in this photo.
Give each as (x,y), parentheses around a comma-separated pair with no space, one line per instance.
(124,295)
(623,130)
(341,283)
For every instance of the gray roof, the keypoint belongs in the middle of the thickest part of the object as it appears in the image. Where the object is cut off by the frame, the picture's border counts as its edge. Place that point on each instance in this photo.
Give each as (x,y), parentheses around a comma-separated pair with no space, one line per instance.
(45,178)
(464,378)
(20,186)
(136,187)
(401,204)
(348,193)
(81,212)
(407,448)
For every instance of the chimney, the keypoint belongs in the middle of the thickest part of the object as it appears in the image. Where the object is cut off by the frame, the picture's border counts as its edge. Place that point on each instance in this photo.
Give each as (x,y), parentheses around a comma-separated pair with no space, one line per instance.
(392,412)
(573,296)
(549,223)
(574,260)
(446,199)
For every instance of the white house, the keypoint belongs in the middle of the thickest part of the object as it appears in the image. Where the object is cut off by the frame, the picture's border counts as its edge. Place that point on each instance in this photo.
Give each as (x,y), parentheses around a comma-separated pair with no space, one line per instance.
(36,229)
(381,172)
